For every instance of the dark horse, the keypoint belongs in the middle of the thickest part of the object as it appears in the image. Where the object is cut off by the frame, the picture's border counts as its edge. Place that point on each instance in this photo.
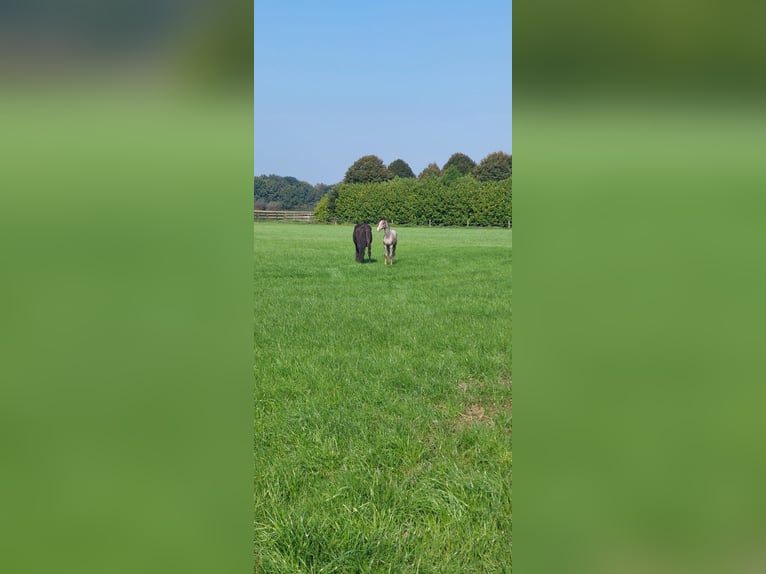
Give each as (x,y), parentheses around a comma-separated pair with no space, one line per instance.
(362,239)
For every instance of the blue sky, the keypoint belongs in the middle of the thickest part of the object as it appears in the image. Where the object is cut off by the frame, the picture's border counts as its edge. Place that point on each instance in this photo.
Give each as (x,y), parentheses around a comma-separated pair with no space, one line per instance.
(418,81)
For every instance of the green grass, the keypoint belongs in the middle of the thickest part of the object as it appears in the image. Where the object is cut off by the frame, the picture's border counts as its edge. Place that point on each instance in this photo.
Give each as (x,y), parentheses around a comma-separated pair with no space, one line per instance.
(382,401)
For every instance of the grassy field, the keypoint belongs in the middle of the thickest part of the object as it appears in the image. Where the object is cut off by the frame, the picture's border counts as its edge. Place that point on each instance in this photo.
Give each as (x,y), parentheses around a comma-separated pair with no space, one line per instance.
(382,401)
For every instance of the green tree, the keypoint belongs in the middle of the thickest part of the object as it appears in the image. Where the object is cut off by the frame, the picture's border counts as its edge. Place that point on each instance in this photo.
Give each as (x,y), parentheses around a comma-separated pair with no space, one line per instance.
(497,166)
(367,169)
(400,168)
(462,162)
(289,192)
(450,175)
(431,170)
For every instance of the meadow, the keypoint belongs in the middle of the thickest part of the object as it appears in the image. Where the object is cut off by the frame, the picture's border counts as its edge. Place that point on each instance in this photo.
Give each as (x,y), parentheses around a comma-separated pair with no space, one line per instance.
(383,407)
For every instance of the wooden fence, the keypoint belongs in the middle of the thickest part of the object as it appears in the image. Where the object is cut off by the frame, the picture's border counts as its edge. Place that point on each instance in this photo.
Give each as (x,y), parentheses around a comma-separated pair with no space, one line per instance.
(263,215)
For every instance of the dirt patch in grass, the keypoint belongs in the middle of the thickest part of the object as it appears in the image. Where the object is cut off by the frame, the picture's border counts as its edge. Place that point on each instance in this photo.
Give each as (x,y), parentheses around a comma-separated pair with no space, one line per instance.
(475,414)
(476,410)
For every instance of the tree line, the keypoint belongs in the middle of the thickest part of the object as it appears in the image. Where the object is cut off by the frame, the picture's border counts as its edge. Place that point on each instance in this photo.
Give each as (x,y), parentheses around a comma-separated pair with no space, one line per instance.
(274,192)
(496,166)
(460,193)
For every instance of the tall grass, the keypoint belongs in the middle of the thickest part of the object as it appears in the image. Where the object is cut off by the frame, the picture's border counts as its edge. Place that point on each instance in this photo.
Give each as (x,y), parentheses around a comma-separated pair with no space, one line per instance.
(382,401)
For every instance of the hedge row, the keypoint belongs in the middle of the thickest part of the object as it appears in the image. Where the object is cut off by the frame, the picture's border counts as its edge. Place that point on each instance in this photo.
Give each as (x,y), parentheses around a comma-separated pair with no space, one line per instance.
(434,201)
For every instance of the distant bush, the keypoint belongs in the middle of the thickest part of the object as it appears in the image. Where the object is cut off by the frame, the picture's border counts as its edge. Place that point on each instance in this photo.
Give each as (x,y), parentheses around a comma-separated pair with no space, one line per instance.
(324,212)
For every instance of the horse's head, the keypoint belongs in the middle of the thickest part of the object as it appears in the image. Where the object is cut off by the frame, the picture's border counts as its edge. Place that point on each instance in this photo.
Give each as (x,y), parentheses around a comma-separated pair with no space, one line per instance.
(382,224)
